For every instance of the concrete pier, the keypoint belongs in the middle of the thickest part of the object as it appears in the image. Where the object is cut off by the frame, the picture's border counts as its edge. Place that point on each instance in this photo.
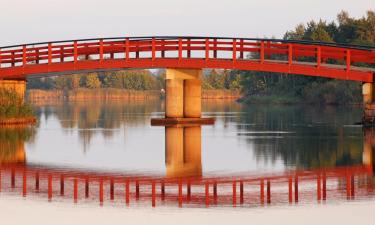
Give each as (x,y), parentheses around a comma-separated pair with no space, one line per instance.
(183,104)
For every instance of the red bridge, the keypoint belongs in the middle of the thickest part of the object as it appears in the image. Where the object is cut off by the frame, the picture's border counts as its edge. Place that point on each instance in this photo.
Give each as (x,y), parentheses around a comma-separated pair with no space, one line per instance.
(185,57)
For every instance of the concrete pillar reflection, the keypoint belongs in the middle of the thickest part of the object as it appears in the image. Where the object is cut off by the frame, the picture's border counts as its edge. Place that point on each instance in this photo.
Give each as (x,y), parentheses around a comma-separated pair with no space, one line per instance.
(183,151)
(369,147)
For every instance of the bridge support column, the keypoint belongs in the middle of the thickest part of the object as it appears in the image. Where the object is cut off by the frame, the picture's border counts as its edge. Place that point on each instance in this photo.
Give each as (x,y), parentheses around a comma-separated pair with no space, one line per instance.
(368,91)
(19,86)
(183,98)
(369,148)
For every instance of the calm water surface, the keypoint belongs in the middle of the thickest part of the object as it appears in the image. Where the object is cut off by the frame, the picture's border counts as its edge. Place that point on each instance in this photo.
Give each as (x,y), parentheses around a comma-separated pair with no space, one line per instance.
(118,136)
(258,146)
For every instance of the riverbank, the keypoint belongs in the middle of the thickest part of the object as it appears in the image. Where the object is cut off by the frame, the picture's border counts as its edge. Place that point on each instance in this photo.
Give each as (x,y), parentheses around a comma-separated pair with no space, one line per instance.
(61,213)
(35,95)
(30,120)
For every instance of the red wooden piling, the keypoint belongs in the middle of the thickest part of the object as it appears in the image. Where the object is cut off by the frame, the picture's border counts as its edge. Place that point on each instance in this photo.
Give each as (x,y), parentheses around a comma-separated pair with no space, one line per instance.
(153,194)
(234,192)
(49,187)
(268,191)
(75,190)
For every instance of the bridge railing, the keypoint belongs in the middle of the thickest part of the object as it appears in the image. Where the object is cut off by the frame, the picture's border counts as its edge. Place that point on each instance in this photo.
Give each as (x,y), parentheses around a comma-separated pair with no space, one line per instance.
(188,48)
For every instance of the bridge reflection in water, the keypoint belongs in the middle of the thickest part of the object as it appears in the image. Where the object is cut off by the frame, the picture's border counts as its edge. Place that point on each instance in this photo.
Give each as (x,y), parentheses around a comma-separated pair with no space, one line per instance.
(183,184)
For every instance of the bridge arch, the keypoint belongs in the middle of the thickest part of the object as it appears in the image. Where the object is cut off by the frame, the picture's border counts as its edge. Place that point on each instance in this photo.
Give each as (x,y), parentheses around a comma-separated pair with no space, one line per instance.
(338,61)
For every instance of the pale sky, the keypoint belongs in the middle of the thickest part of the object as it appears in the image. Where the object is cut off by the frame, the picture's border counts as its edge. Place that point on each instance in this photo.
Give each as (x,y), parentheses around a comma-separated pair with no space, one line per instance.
(25,21)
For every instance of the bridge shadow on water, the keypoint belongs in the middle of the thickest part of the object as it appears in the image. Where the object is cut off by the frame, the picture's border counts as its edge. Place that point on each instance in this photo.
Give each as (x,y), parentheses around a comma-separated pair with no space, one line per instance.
(184,184)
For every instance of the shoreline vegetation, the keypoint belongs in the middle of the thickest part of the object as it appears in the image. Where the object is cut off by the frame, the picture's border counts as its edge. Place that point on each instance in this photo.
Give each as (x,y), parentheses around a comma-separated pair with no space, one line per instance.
(14,110)
(35,95)
(250,87)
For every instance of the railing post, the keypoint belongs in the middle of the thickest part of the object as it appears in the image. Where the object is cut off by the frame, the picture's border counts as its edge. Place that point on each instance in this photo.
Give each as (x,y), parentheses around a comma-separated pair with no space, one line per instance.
(179,49)
(207,193)
(348,60)
(24,60)
(61,54)
(353,187)
(127,49)
(234,192)
(324,187)
(101,50)
(290,54)
(62,185)
(87,188)
(37,56)
(24,183)
(153,49)
(241,49)
(13,178)
(49,53)
(112,189)
(37,181)
(234,48)
(153,190)
(188,47)
(101,191)
(290,188)
(318,57)
(1,61)
(136,190)
(296,189)
(162,190)
(75,190)
(241,192)
(188,191)
(268,192)
(75,52)
(127,192)
(319,188)
(207,49)
(261,52)
(215,46)
(215,192)
(49,187)
(179,193)
(262,191)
